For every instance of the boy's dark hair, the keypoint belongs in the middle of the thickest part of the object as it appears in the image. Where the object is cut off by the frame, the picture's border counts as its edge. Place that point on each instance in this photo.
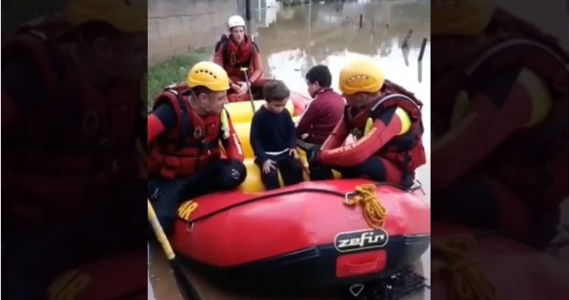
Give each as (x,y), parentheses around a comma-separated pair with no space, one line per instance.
(319,74)
(275,90)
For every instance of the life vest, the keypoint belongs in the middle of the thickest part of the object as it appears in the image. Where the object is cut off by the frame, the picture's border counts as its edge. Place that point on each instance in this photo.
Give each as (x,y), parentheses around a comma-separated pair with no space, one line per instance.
(192,144)
(233,65)
(81,144)
(406,150)
(536,148)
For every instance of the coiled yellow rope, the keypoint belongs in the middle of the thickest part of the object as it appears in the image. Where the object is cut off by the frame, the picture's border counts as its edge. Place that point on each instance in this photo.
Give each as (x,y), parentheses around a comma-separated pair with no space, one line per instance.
(454,265)
(373,211)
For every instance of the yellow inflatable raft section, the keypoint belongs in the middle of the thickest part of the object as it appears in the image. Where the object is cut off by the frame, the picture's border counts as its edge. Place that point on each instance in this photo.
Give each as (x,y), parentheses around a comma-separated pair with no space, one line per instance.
(241,112)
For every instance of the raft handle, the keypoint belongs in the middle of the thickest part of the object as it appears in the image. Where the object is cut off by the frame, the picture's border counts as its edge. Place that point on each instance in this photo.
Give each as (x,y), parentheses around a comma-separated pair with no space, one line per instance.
(363,268)
(190,227)
(417,185)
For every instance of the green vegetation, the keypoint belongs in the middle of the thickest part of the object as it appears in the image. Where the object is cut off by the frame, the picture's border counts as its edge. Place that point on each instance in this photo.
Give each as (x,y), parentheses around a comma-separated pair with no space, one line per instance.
(172,71)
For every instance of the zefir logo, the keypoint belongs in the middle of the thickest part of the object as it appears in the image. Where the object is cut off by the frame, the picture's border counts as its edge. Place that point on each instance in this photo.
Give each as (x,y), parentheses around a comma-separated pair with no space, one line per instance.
(360,240)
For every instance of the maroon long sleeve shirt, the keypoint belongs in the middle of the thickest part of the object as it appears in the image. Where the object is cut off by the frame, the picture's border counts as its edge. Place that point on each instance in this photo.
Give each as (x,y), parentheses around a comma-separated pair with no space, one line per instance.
(322,115)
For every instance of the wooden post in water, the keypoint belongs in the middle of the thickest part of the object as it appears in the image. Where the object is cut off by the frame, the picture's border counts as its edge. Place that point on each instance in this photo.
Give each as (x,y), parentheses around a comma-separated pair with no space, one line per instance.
(360,22)
(248,10)
(406,54)
(420,58)
(309,31)
(420,72)
(422,50)
(407,39)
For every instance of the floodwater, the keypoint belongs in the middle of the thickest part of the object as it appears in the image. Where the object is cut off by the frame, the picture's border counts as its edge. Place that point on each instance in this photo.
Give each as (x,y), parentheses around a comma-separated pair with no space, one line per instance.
(293,39)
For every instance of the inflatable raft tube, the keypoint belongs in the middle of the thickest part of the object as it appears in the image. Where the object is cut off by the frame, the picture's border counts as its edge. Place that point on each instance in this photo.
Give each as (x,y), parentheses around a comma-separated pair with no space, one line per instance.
(301,237)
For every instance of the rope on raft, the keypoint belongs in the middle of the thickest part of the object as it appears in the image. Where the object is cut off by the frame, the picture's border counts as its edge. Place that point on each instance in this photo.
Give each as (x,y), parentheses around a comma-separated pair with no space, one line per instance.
(401,284)
(374,212)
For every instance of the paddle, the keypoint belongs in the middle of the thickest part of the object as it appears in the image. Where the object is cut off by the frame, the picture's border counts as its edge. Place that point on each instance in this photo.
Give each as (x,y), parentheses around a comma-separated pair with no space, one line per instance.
(186,289)
(244,70)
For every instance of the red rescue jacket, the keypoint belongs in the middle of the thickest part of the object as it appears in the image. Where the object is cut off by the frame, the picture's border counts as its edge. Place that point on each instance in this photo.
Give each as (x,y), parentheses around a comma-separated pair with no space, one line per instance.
(233,58)
(81,145)
(545,145)
(407,150)
(193,143)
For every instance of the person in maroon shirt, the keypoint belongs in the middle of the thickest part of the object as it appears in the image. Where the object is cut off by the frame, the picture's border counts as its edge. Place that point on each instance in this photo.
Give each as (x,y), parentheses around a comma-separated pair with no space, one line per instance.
(321,116)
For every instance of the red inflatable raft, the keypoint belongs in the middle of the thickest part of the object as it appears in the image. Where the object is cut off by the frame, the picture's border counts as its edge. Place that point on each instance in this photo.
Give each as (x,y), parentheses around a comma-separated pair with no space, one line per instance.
(301,237)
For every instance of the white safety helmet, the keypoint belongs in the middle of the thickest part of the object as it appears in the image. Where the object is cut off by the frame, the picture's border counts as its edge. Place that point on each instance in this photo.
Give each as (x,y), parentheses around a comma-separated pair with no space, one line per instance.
(235,21)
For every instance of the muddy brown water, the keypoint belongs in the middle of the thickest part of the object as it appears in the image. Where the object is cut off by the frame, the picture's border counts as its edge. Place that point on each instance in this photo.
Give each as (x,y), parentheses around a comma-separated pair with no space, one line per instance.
(292,40)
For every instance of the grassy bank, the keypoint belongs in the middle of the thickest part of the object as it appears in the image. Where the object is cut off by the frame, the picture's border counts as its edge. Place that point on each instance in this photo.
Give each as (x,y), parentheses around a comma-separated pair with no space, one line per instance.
(172,71)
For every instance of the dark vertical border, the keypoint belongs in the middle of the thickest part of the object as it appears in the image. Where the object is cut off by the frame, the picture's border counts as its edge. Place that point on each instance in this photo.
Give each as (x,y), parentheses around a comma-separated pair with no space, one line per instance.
(74,222)
(500,149)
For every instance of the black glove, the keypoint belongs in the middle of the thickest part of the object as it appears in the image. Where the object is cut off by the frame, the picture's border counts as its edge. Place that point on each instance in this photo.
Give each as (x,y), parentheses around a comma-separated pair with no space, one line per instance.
(313,155)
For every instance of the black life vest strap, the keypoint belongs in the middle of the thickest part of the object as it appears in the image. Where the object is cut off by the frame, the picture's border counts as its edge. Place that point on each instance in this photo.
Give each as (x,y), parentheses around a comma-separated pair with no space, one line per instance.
(185,124)
(407,177)
(186,128)
(347,118)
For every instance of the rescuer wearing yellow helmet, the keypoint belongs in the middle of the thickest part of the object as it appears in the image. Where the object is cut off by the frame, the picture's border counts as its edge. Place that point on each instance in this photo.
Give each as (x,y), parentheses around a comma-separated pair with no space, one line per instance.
(386,120)
(185,129)
(70,123)
(500,111)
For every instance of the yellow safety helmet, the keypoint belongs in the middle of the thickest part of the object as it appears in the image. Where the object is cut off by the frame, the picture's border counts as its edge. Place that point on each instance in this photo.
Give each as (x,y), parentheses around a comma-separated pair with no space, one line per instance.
(461,17)
(210,75)
(361,76)
(128,16)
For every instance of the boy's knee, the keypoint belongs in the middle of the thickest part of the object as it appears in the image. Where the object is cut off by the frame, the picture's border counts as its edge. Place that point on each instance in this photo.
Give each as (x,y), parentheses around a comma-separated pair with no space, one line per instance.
(296,166)
(233,175)
(272,175)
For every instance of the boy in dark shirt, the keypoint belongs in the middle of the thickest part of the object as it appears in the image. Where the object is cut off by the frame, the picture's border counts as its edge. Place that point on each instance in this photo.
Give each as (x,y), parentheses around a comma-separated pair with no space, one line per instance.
(273,139)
